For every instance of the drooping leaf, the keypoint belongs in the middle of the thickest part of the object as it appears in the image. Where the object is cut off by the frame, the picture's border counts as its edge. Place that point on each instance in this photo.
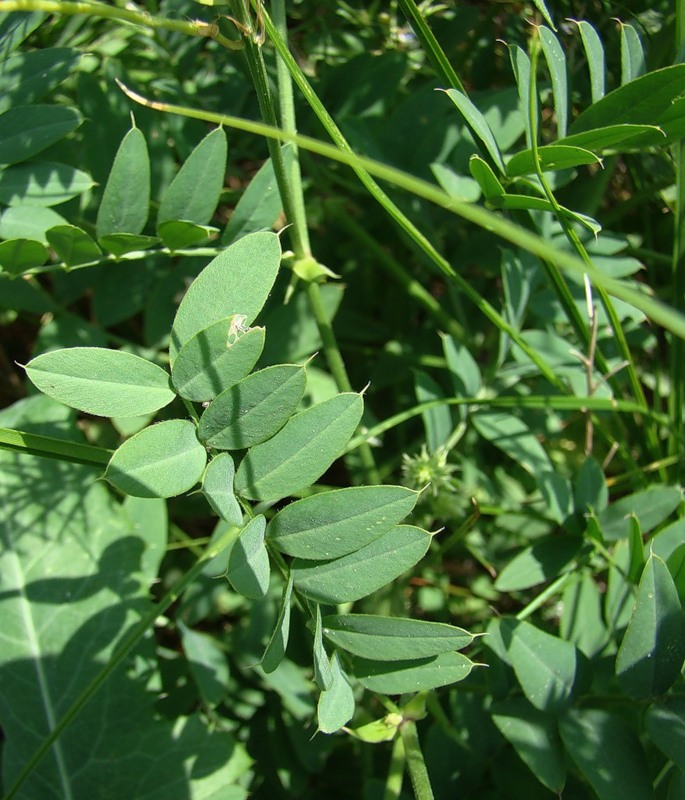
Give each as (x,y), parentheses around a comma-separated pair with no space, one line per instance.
(217,487)
(485,177)
(477,125)
(19,255)
(401,677)
(545,666)
(254,408)
(275,649)
(99,381)
(163,460)
(177,234)
(334,523)
(621,772)
(126,198)
(301,451)
(336,704)
(73,245)
(27,130)
(259,205)
(42,183)
(556,64)
(393,638)
(194,193)
(237,281)
(248,564)
(323,675)
(541,561)
(535,738)
(632,54)
(355,575)
(119,244)
(651,654)
(216,358)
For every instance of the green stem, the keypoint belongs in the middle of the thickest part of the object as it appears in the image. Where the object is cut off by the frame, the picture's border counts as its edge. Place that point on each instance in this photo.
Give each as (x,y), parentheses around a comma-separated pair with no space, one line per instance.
(393,783)
(415,763)
(142,18)
(35,444)
(117,657)
(554,588)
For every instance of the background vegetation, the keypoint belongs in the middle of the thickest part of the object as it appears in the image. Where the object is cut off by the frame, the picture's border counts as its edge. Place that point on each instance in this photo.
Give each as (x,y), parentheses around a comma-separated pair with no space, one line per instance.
(497,268)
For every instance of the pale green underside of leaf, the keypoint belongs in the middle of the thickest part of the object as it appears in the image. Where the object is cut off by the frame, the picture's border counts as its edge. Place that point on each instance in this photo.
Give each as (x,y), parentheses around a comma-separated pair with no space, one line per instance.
(336,704)
(103,382)
(401,677)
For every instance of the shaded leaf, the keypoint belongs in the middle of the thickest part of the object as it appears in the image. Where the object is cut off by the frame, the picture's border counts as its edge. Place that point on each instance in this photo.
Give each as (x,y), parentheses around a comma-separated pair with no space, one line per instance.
(665,724)
(392,638)
(163,460)
(253,409)
(336,704)
(177,234)
(477,125)
(301,451)
(19,255)
(28,222)
(355,575)
(217,487)
(208,664)
(275,649)
(26,77)
(27,130)
(119,244)
(323,674)
(248,564)
(216,358)
(542,561)
(334,523)
(400,677)
(651,506)
(73,245)
(43,183)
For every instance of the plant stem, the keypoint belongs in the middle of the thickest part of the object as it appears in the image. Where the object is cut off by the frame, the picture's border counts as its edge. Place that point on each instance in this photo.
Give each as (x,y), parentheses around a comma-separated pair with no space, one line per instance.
(116,658)
(35,444)
(393,783)
(415,763)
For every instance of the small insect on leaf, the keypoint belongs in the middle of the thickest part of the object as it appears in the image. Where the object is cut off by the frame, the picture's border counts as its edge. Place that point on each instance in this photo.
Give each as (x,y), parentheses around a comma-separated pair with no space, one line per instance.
(236,327)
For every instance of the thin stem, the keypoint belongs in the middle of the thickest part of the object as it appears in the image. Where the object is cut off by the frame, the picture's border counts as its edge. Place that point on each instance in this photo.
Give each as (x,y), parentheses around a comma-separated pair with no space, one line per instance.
(554,588)
(36,444)
(415,763)
(142,18)
(117,657)
(393,783)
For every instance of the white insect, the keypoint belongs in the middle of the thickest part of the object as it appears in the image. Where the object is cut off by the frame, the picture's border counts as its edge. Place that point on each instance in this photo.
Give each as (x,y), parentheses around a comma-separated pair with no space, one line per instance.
(236,327)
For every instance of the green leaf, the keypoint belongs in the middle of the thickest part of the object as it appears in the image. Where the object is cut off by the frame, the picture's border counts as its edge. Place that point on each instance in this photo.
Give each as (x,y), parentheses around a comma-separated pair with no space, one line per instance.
(336,704)
(535,738)
(477,125)
(26,77)
(163,460)
(73,245)
(556,64)
(260,204)
(19,255)
(437,420)
(216,358)
(514,437)
(632,54)
(621,772)
(637,550)
(486,178)
(540,562)
(521,67)
(665,722)
(323,675)
(393,638)
(119,244)
(551,157)
(217,487)
(43,183)
(248,564)
(651,506)
(15,27)
(651,654)
(614,138)
(237,281)
(208,664)
(590,490)
(594,52)
(253,409)
(107,383)
(401,677)
(278,643)
(27,130)
(126,198)
(545,666)
(177,234)
(301,451)
(28,222)
(581,618)
(542,8)
(651,99)
(676,566)
(194,193)
(358,574)
(334,523)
